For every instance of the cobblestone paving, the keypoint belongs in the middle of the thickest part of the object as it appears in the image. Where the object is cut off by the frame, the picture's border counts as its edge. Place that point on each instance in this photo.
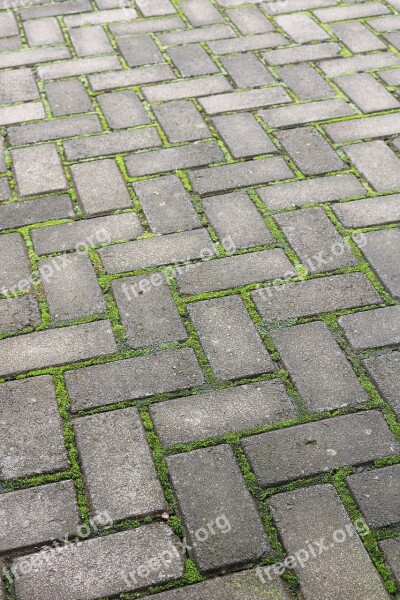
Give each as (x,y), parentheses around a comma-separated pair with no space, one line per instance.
(199,309)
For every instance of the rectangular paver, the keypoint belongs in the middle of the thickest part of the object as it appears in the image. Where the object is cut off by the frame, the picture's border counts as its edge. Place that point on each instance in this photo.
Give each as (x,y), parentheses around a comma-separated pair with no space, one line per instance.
(38,170)
(372,329)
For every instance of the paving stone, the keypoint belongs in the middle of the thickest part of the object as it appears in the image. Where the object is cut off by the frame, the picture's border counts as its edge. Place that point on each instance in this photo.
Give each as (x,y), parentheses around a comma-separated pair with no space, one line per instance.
(200,12)
(360,129)
(244,100)
(245,44)
(318,244)
(385,373)
(170,159)
(381,250)
(17,85)
(33,56)
(43,31)
(229,177)
(178,90)
(233,271)
(191,36)
(380,210)
(101,17)
(109,560)
(229,338)
(148,311)
(357,37)
(30,429)
(285,116)
(184,420)
(217,492)
(82,234)
(89,41)
(366,92)
(8,45)
(389,23)
(305,450)
(71,287)
(166,204)
(321,372)
(243,135)
(129,379)
(393,38)
(192,60)
(21,112)
(318,158)
(2,160)
(8,24)
(67,97)
(100,187)
(246,70)
(287,6)
(120,476)
(235,217)
(249,20)
(343,13)
(372,329)
(317,513)
(181,121)
(55,346)
(18,313)
(15,263)
(130,77)
(54,129)
(38,170)
(112,143)
(79,66)
(377,493)
(352,64)
(123,109)
(157,251)
(301,28)
(5,191)
(140,50)
(39,514)
(152,8)
(307,298)
(377,163)
(147,25)
(299,54)
(305,82)
(391,550)
(66,8)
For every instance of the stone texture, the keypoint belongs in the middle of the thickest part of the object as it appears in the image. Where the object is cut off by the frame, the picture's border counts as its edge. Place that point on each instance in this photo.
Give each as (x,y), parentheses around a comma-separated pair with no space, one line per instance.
(249,20)
(246,44)
(192,60)
(140,50)
(181,121)
(15,274)
(123,109)
(177,90)
(381,249)
(18,313)
(90,41)
(200,12)
(360,129)
(244,100)
(377,163)
(357,37)
(38,170)
(321,110)
(67,97)
(246,70)
(301,28)
(365,91)
(380,210)
(391,551)
(297,54)
(17,85)
(43,31)
(50,208)
(372,329)
(305,82)
(243,135)
(53,130)
(385,373)
(114,142)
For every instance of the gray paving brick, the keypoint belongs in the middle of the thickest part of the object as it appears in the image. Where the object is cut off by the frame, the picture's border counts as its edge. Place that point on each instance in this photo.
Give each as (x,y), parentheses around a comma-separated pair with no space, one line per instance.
(104,563)
(79,66)
(30,429)
(371,329)
(305,82)
(367,93)
(299,54)
(200,12)
(320,157)
(5,191)
(21,112)
(344,13)
(360,129)
(305,450)
(123,109)
(243,135)
(316,241)
(130,77)
(322,110)
(112,143)
(149,8)
(357,37)
(244,100)
(385,373)
(229,177)
(177,90)
(82,234)
(148,312)
(181,121)
(140,50)
(184,420)
(147,26)
(377,163)
(8,45)
(129,379)
(89,41)
(377,493)
(249,20)
(100,187)
(39,514)
(38,12)
(170,159)
(233,271)
(18,313)
(245,44)
(8,24)
(113,448)
(101,17)
(287,6)
(38,170)
(2,160)
(54,129)
(67,97)
(353,64)
(229,338)
(321,372)
(235,217)
(307,298)
(389,23)
(380,210)
(33,56)
(301,28)
(192,60)
(317,513)
(15,263)
(191,36)
(218,490)
(159,250)
(391,550)
(381,251)
(17,85)
(246,70)
(55,346)
(43,31)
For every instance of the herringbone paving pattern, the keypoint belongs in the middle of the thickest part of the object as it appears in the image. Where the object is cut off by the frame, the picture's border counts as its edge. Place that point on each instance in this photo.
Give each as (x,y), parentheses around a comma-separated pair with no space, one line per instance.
(199,312)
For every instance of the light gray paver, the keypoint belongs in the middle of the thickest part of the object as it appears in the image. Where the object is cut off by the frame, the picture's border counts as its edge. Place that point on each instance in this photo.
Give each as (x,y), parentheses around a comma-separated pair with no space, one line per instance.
(50,208)
(220,103)
(379,327)
(381,249)
(15,274)
(243,135)
(391,550)
(192,60)
(359,129)
(123,109)
(53,130)
(38,170)
(301,28)
(380,210)
(357,37)
(18,313)
(249,20)
(366,92)
(181,121)
(115,142)
(385,373)
(306,83)
(17,85)
(67,97)
(321,110)
(377,163)
(246,70)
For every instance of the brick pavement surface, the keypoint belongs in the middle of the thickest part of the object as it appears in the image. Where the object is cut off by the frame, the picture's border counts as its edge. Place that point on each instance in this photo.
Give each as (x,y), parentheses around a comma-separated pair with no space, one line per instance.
(199,299)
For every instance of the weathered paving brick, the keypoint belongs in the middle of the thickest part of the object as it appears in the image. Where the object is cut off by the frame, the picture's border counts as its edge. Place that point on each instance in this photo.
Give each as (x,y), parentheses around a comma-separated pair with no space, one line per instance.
(357,37)
(5,191)
(21,112)
(385,373)
(380,210)
(113,447)
(54,129)
(235,217)
(299,54)
(104,565)
(129,379)
(67,97)
(301,28)
(140,50)
(191,88)
(148,311)
(8,24)
(229,338)
(191,36)
(112,143)
(377,493)
(82,234)
(80,66)
(55,346)
(15,267)
(66,8)
(159,250)
(18,313)
(184,420)
(148,26)
(246,44)
(43,31)
(318,159)
(38,170)
(352,64)
(89,41)
(200,12)
(39,514)
(360,129)
(305,82)
(217,491)
(389,23)
(316,241)
(130,77)
(322,110)
(305,450)
(317,513)
(149,8)
(366,92)
(321,372)
(381,250)
(2,160)
(246,70)
(244,100)
(166,204)
(307,298)
(192,60)
(33,56)
(377,163)
(229,177)
(344,13)
(233,271)
(30,428)
(243,135)
(101,17)
(181,121)
(391,551)
(17,85)
(371,329)
(249,20)
(123,109)
(287,6)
